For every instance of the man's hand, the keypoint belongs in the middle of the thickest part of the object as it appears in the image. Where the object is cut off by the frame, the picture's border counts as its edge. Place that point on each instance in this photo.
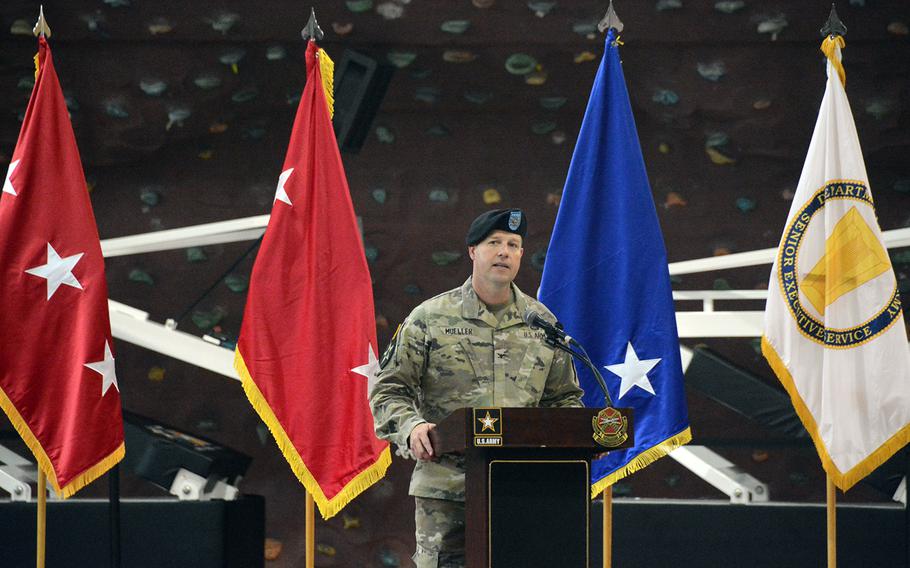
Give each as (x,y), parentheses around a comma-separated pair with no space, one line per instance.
(419,440)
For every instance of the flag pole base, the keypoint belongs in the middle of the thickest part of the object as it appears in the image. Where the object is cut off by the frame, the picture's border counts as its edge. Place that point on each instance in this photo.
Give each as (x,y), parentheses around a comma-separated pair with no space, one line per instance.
(832,521)
(608,527)
(310,531)
(42,518)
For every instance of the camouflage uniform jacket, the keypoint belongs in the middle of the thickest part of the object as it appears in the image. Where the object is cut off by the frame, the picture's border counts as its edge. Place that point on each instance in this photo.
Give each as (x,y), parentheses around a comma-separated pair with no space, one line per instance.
(451,352)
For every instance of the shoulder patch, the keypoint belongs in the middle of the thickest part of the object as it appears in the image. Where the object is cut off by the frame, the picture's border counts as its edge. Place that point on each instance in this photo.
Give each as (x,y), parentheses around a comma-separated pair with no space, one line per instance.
(390,349)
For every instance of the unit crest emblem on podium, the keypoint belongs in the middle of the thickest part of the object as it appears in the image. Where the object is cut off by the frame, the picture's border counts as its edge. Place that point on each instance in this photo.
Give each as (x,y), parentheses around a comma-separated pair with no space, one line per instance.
(611,428)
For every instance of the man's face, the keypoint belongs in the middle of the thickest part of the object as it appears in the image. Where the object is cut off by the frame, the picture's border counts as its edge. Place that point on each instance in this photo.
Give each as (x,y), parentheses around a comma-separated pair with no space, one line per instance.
(497,258)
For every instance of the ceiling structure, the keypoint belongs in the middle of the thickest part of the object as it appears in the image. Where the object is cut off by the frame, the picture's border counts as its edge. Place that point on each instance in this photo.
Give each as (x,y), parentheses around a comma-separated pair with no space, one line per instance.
(182,112)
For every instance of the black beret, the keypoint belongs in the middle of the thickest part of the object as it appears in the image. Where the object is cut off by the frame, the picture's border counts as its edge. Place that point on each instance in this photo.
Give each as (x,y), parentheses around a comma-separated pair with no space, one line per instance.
(508,220)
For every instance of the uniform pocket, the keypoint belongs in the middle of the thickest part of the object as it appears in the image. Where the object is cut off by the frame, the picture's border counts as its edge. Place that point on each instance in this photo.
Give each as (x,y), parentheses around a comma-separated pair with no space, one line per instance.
(450,367)
(448,383)
(425,558)
(533,370)
(456,355)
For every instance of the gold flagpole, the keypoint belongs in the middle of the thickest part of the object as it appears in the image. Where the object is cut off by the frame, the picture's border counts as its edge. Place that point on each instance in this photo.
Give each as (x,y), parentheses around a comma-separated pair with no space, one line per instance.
(41,29)
(833,33)
(310,532)
(609,21)
(608,526)
(833,30)
(42,516)
(832,523)
(311,32)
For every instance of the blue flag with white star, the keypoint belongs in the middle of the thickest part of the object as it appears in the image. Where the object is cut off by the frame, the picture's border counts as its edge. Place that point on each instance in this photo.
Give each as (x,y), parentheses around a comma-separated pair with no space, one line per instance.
(606,279)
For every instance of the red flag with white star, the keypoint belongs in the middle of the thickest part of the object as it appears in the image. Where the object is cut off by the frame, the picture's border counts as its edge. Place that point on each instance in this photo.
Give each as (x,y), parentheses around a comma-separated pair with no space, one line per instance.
(57,380)
(307,348)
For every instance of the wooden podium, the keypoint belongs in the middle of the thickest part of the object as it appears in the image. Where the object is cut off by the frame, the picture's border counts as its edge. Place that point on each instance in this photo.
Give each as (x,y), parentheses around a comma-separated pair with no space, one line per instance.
(528,483)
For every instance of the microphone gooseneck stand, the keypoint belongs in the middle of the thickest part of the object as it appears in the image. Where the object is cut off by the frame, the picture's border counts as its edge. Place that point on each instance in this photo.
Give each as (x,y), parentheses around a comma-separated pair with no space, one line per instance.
(554,341)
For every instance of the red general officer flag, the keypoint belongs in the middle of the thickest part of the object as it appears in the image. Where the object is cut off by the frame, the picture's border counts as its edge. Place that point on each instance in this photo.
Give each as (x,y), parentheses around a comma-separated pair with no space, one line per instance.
(307,347)
(57,380)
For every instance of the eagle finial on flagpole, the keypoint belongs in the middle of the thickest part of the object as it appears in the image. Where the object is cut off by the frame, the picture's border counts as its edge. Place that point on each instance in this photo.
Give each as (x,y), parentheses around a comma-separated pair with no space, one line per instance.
(834,27)
(312,31)
(41,28)
(610,20)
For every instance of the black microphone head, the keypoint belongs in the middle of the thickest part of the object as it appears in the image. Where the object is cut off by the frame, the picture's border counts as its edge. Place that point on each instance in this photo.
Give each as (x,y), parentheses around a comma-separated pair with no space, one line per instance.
(531,318)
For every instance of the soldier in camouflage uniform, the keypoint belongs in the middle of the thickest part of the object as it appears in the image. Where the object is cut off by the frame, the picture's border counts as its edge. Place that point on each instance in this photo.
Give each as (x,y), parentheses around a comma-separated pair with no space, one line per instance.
(467,347)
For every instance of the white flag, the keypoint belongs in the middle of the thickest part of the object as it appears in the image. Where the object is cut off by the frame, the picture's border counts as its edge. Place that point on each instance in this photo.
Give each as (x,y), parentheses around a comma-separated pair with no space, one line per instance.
(834,329)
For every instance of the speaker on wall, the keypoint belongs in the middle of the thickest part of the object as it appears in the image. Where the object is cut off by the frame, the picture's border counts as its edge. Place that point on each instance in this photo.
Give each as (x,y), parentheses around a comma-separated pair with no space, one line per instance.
(360,85)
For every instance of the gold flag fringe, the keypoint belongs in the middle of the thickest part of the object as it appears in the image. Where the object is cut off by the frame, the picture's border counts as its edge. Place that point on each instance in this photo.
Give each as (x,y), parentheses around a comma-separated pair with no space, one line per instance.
(94,472)
(829,45)
(327,73)
(44,462)
(328,508)
(642,460)
(843,480)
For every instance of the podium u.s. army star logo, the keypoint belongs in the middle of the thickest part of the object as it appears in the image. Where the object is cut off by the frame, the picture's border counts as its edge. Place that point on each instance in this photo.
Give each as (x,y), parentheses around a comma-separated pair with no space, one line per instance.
(852,257)
(487,421)
(487,426)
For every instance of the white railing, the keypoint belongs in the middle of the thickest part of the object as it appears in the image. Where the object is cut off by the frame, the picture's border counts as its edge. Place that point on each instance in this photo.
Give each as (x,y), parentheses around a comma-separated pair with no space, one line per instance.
(132,325)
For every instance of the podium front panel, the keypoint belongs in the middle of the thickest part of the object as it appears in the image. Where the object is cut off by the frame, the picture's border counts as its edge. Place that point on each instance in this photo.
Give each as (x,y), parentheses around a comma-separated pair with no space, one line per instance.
(538,513)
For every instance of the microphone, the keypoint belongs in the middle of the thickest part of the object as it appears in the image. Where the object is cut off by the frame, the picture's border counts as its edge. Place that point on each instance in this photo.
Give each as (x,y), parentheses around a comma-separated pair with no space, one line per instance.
(536,321)
(555,334)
